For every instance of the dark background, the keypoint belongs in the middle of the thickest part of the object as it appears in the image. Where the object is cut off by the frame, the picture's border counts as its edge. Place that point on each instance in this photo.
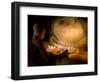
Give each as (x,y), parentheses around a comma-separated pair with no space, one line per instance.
(42,21)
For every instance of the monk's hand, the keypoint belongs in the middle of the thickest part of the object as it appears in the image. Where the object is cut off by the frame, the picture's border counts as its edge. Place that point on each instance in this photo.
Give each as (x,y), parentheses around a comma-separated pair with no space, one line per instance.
(77,55)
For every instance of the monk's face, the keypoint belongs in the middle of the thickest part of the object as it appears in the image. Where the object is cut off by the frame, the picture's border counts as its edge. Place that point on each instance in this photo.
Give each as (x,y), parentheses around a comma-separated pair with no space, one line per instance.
(67,33)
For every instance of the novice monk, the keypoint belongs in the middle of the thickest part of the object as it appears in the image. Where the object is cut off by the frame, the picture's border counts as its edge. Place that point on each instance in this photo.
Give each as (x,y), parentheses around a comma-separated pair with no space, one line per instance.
(67,43)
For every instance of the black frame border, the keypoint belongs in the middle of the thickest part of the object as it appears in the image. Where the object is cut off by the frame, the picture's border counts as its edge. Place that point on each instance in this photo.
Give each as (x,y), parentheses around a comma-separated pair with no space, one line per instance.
(15,37)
